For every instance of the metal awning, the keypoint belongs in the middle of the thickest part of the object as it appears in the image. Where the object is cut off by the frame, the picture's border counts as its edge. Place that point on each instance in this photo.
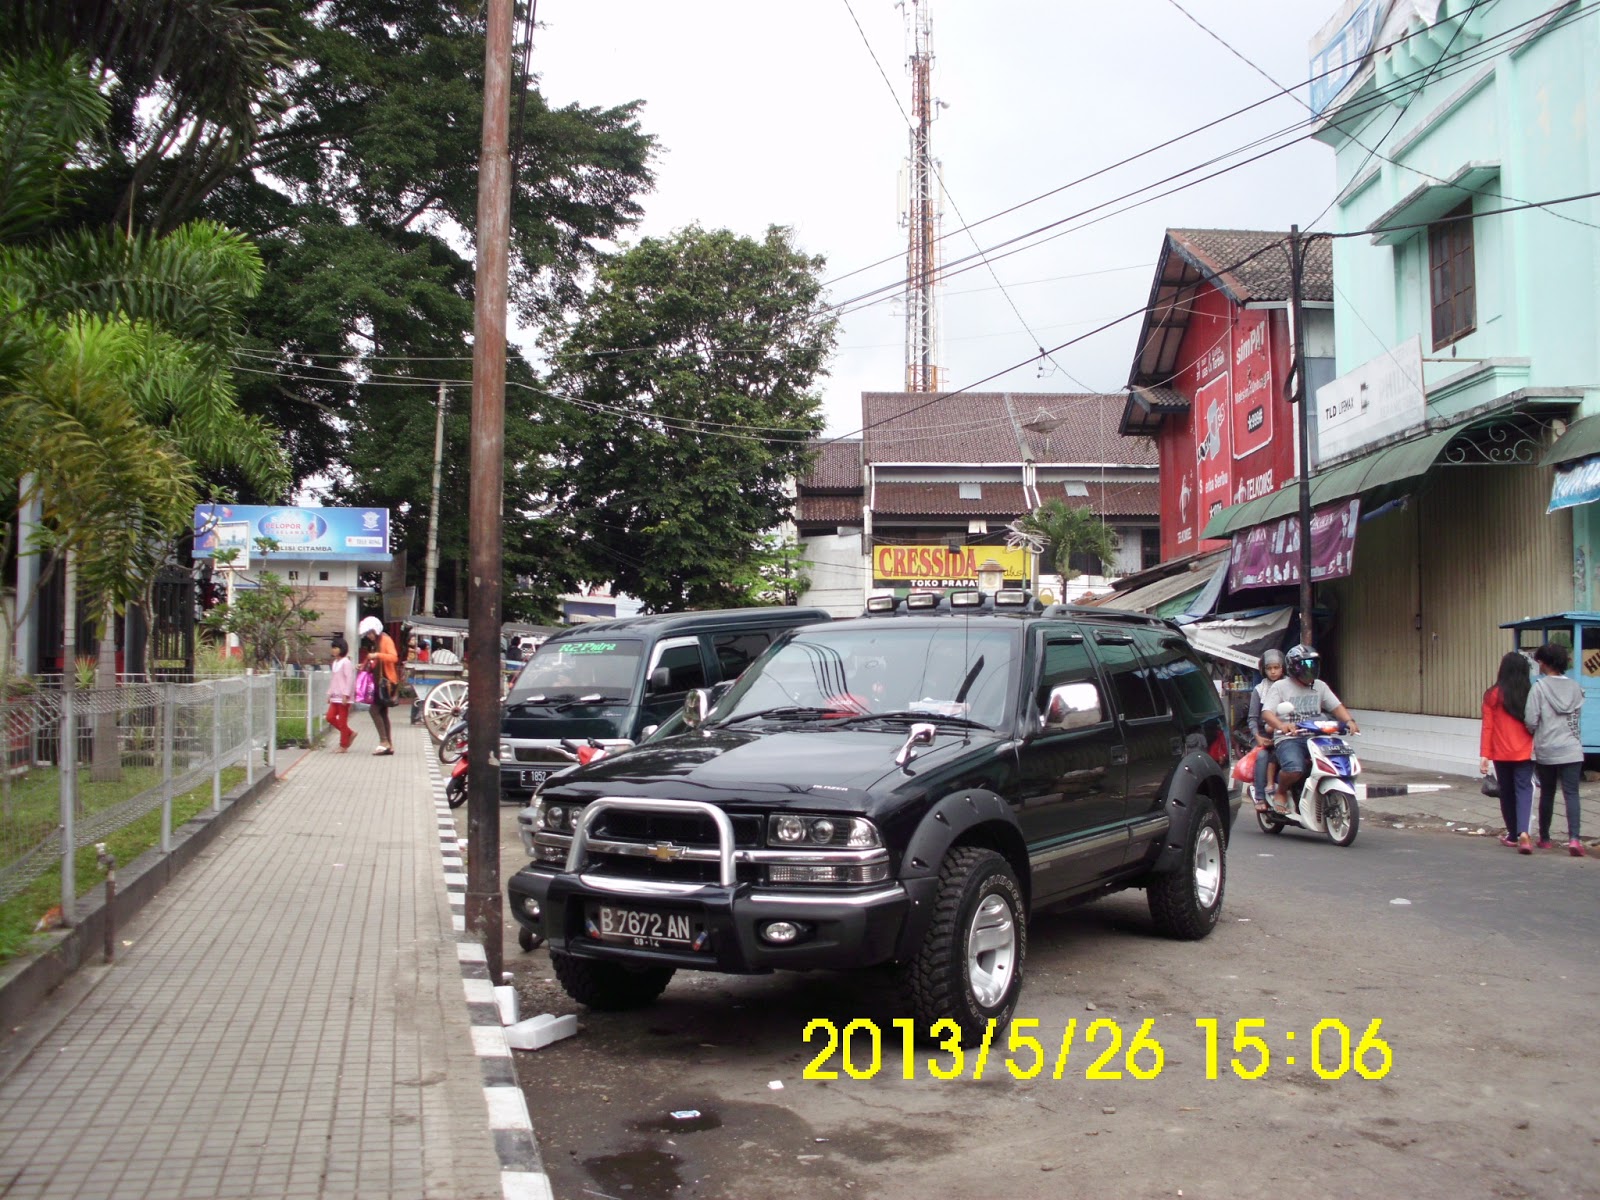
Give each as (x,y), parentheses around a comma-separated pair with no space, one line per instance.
(1430,202)
(1390,466)
(1239,637)
(1581,439)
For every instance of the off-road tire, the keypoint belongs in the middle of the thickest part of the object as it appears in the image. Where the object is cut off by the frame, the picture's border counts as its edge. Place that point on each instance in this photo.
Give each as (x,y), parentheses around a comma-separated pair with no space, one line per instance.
(609,986)
(1176,905)
(934,984)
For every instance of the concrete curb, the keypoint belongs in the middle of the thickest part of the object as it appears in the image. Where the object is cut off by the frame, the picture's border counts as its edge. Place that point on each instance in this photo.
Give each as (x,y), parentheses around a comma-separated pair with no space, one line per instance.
(26,983)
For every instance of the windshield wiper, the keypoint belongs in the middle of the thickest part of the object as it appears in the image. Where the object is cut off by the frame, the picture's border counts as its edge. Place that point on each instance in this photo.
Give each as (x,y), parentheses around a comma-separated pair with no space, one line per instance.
(786,711)
(557,700)
(909,715)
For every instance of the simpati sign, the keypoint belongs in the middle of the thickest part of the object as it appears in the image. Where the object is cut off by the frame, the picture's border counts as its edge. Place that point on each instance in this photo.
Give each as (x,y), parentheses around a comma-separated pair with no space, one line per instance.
(1379,399)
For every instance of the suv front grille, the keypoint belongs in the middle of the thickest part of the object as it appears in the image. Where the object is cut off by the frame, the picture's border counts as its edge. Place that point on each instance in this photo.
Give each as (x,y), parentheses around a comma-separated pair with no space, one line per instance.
(649,828)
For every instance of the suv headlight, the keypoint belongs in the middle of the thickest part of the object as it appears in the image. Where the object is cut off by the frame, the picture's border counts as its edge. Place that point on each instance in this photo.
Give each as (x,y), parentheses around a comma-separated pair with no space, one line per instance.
(552,816)
(801,830)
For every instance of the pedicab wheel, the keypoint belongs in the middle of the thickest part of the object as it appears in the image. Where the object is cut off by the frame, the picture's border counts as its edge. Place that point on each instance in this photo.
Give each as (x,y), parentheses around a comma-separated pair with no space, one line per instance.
(444,706)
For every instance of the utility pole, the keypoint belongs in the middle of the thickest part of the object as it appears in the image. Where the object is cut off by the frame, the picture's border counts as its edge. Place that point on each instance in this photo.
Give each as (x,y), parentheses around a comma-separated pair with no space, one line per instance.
(433,508)
(485,910)
(1297,396)
(922,254)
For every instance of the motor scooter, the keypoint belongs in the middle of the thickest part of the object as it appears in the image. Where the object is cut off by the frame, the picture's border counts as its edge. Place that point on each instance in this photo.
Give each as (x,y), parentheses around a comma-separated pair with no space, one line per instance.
(1325,800)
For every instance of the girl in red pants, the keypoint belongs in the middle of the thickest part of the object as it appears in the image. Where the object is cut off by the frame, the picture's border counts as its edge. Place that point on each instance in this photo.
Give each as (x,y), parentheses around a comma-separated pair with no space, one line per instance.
(341,693)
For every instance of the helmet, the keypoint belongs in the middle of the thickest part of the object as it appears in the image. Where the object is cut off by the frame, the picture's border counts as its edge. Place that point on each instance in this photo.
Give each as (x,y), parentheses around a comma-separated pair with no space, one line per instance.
(1272,658)
(369,625)
(1304,664)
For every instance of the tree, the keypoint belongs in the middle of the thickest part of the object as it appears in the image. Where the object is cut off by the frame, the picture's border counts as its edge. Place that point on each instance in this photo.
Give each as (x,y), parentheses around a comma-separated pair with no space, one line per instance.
(270,618)
(687,376)
(1070,532)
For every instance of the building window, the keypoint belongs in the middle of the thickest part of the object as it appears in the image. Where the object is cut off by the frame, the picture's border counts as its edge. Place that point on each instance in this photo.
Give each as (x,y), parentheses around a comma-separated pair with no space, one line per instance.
(970,491)
(1075,487)
(1452,278)
(322,576)
(1149,548)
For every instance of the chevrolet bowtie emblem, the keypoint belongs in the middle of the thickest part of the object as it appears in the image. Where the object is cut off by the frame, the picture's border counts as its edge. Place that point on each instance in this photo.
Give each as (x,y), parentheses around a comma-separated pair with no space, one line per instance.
(665,852)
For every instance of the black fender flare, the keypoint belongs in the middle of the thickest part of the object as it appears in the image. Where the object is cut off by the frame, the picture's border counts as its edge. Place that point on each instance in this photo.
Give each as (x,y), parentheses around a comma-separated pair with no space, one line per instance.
(941,827)
(1185,796)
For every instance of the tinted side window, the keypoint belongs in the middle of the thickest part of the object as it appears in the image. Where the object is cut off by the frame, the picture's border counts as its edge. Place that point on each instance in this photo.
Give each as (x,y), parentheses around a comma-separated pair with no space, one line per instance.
(1128,676)
(1189,682)
(736,651)
(1065,660)
(682,659)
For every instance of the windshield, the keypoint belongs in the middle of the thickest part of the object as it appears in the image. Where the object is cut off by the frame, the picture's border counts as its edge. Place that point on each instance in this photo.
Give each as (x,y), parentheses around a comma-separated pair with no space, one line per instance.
(949,671)
(563,670)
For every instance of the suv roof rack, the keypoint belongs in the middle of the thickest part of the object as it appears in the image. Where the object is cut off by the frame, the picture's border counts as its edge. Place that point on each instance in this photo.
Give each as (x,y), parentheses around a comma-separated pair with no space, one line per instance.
(1092,612)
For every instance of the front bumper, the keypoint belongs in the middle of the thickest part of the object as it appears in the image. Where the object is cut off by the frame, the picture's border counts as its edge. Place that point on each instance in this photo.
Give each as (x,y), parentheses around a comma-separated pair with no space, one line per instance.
(846,927)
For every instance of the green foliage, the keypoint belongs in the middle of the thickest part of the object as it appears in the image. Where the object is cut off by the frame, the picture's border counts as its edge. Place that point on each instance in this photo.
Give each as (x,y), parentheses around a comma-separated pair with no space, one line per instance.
(687,374)
(1071,531)
(270,618)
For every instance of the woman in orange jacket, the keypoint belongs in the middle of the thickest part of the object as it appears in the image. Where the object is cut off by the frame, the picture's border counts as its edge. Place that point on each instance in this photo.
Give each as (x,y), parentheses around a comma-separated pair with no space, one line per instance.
(383,657)
(1507,744)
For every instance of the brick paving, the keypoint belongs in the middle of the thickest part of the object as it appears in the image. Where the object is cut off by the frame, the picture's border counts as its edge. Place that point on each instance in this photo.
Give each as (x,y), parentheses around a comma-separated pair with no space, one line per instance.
(288,1021)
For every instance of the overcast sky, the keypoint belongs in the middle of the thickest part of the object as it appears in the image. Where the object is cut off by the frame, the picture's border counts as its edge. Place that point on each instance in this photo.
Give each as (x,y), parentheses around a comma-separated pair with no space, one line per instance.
(775,113)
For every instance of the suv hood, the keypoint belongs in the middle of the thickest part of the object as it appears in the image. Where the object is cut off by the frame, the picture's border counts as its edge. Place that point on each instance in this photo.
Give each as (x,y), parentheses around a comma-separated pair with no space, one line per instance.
(822,766)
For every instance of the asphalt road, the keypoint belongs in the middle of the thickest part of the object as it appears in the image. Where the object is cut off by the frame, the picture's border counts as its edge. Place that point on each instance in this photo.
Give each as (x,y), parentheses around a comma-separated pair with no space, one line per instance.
(1483,983)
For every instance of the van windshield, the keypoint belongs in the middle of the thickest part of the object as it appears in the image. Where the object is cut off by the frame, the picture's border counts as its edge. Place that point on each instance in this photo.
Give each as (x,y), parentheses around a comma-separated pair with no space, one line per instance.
(565,670)
(948,671)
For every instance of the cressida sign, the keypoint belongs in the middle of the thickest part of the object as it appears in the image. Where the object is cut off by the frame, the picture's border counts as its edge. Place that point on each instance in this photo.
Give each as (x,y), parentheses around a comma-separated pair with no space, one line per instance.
(939,566)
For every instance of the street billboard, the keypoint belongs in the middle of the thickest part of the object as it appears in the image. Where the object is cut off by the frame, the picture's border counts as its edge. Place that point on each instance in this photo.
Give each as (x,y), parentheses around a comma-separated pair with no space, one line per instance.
(1380,399)
(1340,47)
(333,534)
(1269,555)
(941,567)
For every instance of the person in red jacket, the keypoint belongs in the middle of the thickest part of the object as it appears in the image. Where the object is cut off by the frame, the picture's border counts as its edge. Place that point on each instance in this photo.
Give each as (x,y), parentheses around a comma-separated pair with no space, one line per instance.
(1507,744)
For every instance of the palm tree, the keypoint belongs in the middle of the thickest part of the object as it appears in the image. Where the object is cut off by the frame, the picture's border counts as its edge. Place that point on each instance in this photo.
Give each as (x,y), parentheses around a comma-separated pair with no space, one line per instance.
(115,381)
(1070,532)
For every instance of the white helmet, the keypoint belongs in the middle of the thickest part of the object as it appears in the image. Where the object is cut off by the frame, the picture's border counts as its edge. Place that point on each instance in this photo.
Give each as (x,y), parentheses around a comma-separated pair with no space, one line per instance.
(369,625)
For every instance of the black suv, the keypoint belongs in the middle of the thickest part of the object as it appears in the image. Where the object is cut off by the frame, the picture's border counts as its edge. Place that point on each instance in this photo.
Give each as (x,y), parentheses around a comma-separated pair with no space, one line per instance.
(897,789)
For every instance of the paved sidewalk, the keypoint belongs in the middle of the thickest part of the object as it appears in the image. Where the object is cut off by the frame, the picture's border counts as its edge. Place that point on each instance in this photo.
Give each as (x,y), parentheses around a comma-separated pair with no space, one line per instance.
(287,1020)
(1419,798)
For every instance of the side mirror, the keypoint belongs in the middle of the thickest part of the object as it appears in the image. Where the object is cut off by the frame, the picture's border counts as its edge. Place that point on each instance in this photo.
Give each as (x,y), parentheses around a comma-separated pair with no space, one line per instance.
(695,707)
(660,679)
(1073,706)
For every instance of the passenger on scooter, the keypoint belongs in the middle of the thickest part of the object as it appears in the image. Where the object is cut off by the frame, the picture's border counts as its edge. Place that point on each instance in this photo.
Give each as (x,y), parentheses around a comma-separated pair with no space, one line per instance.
(1272,671)
(1311,698)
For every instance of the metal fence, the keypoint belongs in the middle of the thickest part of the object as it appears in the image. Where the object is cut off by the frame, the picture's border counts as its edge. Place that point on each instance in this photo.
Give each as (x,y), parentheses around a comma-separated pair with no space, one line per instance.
(81,765)
(303,706)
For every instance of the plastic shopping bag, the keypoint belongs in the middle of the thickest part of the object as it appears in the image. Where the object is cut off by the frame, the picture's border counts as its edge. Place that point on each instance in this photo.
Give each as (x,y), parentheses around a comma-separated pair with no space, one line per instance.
(1245,769)
(365,688)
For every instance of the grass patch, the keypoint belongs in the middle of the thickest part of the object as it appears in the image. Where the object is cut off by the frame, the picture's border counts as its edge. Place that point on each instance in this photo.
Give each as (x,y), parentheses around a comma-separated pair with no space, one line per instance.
(22,912)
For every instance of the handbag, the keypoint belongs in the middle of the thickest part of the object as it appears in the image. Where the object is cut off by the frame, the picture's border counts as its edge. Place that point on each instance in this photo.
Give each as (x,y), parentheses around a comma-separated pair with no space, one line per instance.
(384,693)
(1490,786)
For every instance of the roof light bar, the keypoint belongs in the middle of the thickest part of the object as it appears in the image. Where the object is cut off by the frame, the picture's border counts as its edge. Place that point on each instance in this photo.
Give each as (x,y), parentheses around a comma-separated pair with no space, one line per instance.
(1011,598)
(922,600)
(878,604)
(967,598)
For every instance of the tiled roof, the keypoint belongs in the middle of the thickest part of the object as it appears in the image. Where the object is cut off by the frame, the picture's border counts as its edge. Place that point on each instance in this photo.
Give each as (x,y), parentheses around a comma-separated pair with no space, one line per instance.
(1112,499)
(1087,432)
(812,508)
(987,427)
(837,467)
(1002,500)
(1251,264)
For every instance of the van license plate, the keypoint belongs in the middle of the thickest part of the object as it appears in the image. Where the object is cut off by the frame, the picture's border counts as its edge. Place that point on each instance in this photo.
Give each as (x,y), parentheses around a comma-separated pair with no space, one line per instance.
(534,778)
(643,928)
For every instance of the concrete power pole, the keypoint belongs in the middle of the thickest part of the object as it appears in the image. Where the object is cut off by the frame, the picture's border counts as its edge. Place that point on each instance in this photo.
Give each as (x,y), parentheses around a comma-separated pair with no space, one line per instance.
(921,215)
(485,909)
(433,509)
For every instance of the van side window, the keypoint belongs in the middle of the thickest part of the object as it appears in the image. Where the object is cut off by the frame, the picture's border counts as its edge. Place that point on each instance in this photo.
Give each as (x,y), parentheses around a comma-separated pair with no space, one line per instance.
(682,660)
(1128,676)
(1065,660)
(736,651)
(1189,682)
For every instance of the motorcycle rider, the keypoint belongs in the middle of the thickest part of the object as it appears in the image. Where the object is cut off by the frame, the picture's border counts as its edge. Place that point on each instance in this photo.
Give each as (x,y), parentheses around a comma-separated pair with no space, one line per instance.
(1271,671)
(1311,697)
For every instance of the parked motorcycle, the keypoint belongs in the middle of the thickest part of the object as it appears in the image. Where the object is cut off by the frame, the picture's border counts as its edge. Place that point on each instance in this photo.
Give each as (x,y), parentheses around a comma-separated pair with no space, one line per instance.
(453,745)
(1325,800)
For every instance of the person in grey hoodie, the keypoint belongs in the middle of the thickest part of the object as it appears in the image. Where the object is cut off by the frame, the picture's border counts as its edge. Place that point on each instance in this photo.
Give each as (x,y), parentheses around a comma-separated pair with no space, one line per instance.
(1554,707)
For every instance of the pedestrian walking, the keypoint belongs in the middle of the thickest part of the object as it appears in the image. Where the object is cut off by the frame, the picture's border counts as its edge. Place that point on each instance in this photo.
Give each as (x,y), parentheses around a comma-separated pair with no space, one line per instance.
(1555,705)
(1506,743)
(382,662)
(342,693)
(1271,672)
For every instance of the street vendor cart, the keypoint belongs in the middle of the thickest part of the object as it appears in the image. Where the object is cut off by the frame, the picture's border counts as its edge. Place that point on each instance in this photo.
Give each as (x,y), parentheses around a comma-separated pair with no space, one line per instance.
(1579,632)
